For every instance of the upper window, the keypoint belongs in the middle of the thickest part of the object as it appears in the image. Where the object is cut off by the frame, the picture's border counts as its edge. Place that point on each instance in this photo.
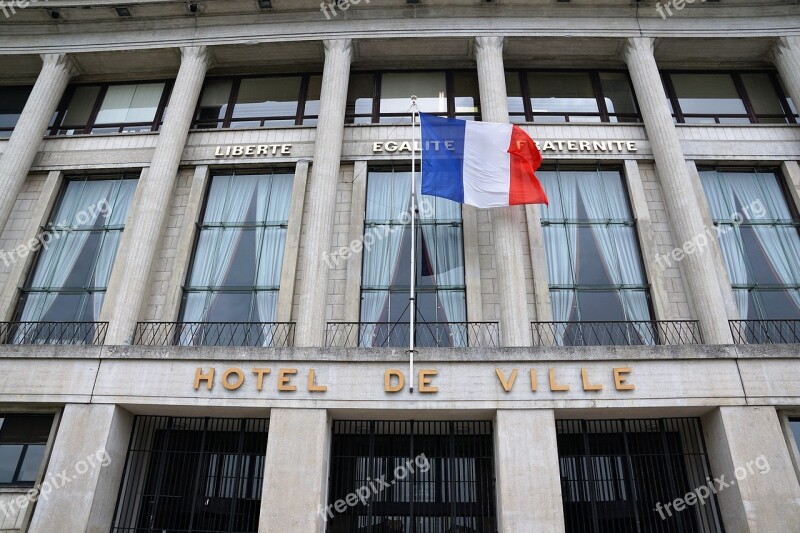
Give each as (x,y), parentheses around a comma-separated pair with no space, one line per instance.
(385,98)
(440,286)
(278,101)
(758,235)
(78,247)
(593,256)
(111,108)
(12,101)
(566,96)
(728,98)
(236,269)
(23,439)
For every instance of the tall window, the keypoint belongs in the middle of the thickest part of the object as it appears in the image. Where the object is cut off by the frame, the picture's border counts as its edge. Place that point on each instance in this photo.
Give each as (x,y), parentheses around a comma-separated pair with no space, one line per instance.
(79,245)
(758,235)
(23,439)
(570,96)
(236,269)
(385,98)
(12,101)
(440,286)
(593,256)
(447,484)
(622,475)
(277,101)
(728,98)
(111,108)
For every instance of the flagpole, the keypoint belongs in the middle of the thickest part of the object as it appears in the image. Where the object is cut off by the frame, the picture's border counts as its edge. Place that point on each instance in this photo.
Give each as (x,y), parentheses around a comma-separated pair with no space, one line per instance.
(412,298)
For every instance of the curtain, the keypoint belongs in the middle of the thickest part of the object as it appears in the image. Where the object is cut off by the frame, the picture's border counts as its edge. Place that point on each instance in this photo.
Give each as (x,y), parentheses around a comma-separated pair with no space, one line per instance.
(130,103)
(388,198)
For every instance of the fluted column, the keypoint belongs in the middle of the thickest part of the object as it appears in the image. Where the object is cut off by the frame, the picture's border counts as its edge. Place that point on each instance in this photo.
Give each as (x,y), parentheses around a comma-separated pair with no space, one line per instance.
(322,193)
(16,161)
(786,56)
(147,222)
(684,213)
(506,221)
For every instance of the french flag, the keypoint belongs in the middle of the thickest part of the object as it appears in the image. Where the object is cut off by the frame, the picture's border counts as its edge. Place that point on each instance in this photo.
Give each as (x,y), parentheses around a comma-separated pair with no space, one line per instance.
(479,163)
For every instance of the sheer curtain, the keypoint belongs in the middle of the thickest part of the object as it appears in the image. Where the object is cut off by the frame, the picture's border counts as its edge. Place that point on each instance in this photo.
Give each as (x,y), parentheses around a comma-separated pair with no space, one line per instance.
(389,197)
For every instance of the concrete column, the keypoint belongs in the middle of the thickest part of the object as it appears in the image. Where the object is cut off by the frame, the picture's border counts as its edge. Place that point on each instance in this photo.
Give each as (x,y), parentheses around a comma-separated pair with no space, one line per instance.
(791,172)
(747,446)
(292,246)
(89,450)
(148,220)
(698,269)
(296,472)
(322,193)
(786,56)
(358,205)
(16,161)
(527,472)
(506,221)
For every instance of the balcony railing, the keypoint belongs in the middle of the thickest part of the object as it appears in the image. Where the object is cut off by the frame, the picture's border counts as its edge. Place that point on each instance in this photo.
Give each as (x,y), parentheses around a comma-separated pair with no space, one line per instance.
(765,331)
(266,334)
(91,333)
(622,333)
(428,334)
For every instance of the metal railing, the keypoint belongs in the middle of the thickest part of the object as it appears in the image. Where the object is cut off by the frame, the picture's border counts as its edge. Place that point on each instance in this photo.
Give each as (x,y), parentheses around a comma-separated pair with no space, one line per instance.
(266,334)
(765,331)
(428,334)
(92,333)
(619,333)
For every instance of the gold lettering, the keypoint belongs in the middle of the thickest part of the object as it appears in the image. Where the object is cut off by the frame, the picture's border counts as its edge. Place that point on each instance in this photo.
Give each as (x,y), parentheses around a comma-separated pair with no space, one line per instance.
(312,386)
(555,387)
(425,380)
(586,385)
(200,376)
(239,378)
(620,380)
(284,379)
(533,380)
(507,384)
(260,373)
(387,380)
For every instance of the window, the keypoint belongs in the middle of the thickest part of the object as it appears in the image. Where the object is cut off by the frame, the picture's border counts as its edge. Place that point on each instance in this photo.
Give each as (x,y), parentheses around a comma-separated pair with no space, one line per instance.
(728,98)
(193,475)
(440,286)
(79,245)
(12,102)
(593,256)
(111,108)
(236,269)
(620,475)
(23,439)
(451,487)
(758,235)
(277,101)
(570,96)
(385,98)
(794,425)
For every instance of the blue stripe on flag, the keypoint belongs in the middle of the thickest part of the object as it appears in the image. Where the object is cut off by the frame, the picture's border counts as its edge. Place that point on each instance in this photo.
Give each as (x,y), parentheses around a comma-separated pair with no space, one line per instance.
(443,157)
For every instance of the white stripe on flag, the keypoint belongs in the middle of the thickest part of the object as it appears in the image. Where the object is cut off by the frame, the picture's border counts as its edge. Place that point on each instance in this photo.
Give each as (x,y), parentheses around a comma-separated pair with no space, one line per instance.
(487,164)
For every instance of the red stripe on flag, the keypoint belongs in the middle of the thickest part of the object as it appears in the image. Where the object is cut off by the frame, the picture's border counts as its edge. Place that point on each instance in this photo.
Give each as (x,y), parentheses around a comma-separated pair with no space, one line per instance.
(525,160)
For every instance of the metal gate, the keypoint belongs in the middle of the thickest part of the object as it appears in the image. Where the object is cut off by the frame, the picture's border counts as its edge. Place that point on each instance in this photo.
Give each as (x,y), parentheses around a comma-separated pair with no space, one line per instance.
(186,475)
(411,477)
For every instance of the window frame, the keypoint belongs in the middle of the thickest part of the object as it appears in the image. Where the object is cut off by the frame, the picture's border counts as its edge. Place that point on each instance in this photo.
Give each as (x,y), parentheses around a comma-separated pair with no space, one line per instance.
(377,81)
(54,418)
(25,289)
(631,223)
(594,77)
(91,123)
(680,117)
(236,83)
(9,131)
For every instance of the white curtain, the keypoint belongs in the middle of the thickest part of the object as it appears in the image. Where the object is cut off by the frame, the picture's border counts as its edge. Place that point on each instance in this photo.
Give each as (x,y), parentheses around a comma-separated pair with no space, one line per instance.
(130,103)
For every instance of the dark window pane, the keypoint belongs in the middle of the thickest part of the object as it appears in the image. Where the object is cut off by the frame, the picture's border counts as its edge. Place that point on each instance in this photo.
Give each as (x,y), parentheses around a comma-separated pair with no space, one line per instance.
(467,94)
(784,305)
(230,307)
(9,459)
(214,103)
(707,94)
(268,98)
(594,267)
(31,463)
(312,100)
(81,105)
(516,105)
(562,92)
(359,98)
(25,429)
(795,424)
(12,102)
(600,305)
(397,88)
(618,93)
(763,98)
